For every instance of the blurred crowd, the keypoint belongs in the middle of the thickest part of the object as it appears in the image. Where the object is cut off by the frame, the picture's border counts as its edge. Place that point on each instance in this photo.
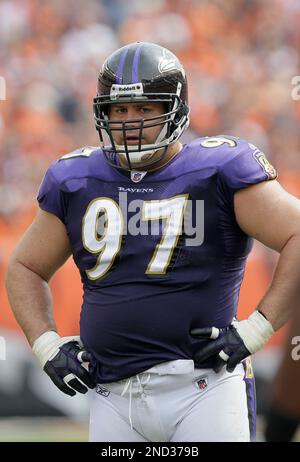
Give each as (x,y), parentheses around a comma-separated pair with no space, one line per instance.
(240,57)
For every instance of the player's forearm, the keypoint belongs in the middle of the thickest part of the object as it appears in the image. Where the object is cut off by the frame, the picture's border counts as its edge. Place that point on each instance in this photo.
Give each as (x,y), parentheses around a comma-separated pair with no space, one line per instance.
(284,291)
(30,300)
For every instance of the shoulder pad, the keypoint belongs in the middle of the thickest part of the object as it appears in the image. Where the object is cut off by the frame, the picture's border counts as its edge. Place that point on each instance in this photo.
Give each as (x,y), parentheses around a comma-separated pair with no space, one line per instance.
(82,152)
(219,140)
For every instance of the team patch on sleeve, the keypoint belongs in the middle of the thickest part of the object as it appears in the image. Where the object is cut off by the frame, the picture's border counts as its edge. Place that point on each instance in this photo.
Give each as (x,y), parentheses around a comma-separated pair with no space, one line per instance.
(268,168)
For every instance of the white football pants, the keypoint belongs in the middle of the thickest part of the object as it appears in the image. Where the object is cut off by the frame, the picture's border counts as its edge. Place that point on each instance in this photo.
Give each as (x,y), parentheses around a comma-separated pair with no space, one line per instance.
(175,402)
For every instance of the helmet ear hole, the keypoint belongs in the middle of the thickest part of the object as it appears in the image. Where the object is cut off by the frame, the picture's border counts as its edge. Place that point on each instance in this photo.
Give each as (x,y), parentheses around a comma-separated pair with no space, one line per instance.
(183,111)
(106,109)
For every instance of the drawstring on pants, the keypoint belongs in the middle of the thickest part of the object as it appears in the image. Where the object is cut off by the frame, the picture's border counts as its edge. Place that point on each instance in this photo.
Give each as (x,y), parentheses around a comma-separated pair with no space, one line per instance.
(128,384)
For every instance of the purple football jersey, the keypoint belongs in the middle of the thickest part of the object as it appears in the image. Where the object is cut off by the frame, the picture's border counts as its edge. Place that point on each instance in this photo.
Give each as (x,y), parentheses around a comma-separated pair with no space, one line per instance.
(157,257)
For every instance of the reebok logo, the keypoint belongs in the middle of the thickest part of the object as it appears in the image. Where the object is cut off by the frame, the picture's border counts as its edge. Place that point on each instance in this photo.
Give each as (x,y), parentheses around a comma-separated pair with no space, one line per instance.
(102,391)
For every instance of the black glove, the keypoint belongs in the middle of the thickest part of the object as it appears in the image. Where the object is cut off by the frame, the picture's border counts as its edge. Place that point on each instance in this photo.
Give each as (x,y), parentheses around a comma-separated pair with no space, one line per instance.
(227,346)
(233,344)
(62,358)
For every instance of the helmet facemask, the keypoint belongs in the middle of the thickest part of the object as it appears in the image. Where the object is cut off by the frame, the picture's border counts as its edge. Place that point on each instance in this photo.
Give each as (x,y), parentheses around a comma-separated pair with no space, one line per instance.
(172,122)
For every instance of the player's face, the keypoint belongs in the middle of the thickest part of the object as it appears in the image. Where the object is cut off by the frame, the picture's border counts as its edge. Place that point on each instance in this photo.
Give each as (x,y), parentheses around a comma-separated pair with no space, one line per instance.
(131,111)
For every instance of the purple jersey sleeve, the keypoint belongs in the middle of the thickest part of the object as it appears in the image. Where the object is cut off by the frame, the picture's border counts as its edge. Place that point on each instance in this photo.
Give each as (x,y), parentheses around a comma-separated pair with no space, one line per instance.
(50,196)
(249,167)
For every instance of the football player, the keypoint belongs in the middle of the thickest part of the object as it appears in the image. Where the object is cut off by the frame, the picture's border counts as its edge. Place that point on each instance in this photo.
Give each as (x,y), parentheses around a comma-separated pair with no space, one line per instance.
(160,233)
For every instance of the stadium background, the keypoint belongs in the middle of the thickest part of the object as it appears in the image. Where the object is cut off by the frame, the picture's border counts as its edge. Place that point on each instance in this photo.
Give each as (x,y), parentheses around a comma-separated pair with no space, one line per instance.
(240,57)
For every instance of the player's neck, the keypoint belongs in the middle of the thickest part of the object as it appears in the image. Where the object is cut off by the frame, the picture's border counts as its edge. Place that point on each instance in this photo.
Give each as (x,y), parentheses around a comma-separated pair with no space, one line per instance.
(172,151)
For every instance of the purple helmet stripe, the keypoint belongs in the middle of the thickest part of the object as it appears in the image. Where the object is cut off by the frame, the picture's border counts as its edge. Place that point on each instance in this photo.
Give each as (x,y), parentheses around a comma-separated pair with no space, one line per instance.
(121,66)
(135,66)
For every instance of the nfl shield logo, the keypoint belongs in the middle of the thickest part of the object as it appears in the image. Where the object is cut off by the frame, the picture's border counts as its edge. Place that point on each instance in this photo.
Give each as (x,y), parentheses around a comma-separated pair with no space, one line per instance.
(201,383)
(137,176)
